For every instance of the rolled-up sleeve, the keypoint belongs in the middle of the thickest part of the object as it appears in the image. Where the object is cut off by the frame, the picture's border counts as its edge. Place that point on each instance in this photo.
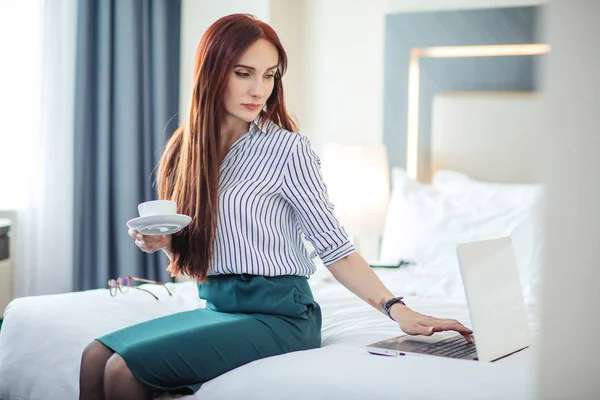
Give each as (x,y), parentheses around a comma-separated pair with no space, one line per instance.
(304,189)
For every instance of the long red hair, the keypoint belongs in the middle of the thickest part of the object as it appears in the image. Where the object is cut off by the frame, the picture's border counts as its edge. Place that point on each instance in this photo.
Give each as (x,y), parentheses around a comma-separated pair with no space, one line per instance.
(188,172)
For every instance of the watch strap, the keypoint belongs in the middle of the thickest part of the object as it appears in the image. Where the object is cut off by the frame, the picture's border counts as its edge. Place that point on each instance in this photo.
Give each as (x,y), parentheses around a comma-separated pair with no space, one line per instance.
(388,305)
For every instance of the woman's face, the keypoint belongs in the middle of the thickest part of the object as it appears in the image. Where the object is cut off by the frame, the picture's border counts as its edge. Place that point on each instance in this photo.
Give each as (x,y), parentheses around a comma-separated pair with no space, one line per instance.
(251,81)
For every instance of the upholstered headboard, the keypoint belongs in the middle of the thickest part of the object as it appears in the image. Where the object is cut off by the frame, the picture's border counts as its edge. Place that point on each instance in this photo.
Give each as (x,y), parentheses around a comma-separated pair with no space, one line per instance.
(490,136)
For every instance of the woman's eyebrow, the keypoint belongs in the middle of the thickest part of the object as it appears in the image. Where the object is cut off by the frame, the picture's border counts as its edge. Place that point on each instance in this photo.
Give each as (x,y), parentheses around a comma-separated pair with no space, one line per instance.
(252,68)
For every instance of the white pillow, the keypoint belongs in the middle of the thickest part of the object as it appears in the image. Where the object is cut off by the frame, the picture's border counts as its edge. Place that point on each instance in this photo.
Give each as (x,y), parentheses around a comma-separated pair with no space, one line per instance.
(425,223)
(527,201)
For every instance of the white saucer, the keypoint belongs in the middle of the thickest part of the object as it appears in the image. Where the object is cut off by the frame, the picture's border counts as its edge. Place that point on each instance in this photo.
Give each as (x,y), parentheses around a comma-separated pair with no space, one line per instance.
(154,225)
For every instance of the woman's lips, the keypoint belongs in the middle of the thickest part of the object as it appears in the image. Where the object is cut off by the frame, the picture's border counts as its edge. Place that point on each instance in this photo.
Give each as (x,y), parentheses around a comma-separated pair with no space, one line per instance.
(252,107)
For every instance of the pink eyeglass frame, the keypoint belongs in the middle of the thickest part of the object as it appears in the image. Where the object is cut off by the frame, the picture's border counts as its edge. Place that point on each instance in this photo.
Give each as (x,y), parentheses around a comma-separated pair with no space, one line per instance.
(114,284)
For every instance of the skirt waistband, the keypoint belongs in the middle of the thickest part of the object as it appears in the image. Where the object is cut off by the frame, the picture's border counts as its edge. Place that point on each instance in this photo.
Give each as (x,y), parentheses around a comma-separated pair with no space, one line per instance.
(286,295)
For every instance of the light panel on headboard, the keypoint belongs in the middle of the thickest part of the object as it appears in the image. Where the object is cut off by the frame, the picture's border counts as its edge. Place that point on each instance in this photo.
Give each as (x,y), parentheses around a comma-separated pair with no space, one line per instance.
(490,136)
(450,33)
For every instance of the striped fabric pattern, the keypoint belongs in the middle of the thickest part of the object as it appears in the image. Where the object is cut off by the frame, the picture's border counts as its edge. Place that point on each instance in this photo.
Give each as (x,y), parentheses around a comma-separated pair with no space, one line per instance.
(270,192)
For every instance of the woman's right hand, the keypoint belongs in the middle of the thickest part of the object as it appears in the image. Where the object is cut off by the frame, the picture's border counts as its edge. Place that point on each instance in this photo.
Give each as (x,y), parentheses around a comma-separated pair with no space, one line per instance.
(151,244)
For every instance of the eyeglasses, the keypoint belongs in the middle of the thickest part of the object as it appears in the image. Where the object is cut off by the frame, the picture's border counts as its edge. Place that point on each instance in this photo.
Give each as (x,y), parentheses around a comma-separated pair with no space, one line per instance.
(123,283)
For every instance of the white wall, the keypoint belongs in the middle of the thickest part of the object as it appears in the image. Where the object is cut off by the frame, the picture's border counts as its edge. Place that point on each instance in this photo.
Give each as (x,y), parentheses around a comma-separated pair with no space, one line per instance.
(343,52)
(334,83)
(196,17)
(570,356)
(286,19)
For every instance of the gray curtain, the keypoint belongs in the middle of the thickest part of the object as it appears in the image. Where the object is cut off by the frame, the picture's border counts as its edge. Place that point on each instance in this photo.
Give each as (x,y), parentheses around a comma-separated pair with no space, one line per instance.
(126,104)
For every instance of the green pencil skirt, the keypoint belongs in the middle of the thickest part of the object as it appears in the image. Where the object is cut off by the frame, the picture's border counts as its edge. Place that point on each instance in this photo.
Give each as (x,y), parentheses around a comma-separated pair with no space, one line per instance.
(247,317)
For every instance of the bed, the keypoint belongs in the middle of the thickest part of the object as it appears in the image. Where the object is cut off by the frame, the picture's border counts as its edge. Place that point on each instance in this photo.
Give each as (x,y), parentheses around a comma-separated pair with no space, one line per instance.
(42,337)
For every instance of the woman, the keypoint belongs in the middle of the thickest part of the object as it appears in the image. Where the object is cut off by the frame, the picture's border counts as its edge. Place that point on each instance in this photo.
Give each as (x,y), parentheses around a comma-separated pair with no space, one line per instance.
(252,186)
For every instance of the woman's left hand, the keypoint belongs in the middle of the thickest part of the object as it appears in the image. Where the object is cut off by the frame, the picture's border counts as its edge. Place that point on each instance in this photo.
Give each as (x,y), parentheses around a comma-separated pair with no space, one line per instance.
(414,323)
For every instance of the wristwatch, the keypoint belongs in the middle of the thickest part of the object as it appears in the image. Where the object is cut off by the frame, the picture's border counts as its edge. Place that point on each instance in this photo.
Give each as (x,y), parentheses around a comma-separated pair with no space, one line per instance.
(388,305)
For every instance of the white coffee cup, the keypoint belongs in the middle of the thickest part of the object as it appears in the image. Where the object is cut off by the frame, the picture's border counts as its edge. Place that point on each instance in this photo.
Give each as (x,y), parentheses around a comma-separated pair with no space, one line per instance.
(157,207)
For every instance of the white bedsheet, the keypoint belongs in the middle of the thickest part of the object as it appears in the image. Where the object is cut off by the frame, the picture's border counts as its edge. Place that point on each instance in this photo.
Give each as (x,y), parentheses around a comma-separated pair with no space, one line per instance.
(42,339)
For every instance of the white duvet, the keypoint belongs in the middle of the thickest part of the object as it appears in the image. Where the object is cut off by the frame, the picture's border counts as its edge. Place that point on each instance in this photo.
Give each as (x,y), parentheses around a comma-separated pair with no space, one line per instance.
(42,339)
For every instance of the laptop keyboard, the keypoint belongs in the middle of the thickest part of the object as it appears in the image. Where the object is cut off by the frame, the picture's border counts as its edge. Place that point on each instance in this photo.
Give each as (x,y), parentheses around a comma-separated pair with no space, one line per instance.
(455,347)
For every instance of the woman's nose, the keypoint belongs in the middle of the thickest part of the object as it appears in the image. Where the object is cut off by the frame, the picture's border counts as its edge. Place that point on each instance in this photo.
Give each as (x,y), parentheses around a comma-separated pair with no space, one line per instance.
(257,88)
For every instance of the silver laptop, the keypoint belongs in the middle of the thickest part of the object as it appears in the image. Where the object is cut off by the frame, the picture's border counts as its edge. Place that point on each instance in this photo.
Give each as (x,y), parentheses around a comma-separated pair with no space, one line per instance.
(496,307)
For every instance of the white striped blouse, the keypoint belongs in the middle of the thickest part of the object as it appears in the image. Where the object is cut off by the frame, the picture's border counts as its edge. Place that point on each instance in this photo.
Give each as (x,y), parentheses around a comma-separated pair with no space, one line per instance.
(270,191)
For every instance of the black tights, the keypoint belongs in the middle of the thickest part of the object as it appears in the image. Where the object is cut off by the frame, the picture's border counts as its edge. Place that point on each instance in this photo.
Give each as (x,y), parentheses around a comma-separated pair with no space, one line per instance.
(105,375)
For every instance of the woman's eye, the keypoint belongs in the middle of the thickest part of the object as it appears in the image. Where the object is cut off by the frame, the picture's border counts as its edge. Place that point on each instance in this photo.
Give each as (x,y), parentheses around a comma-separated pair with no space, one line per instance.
(242,74)
(270,76)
